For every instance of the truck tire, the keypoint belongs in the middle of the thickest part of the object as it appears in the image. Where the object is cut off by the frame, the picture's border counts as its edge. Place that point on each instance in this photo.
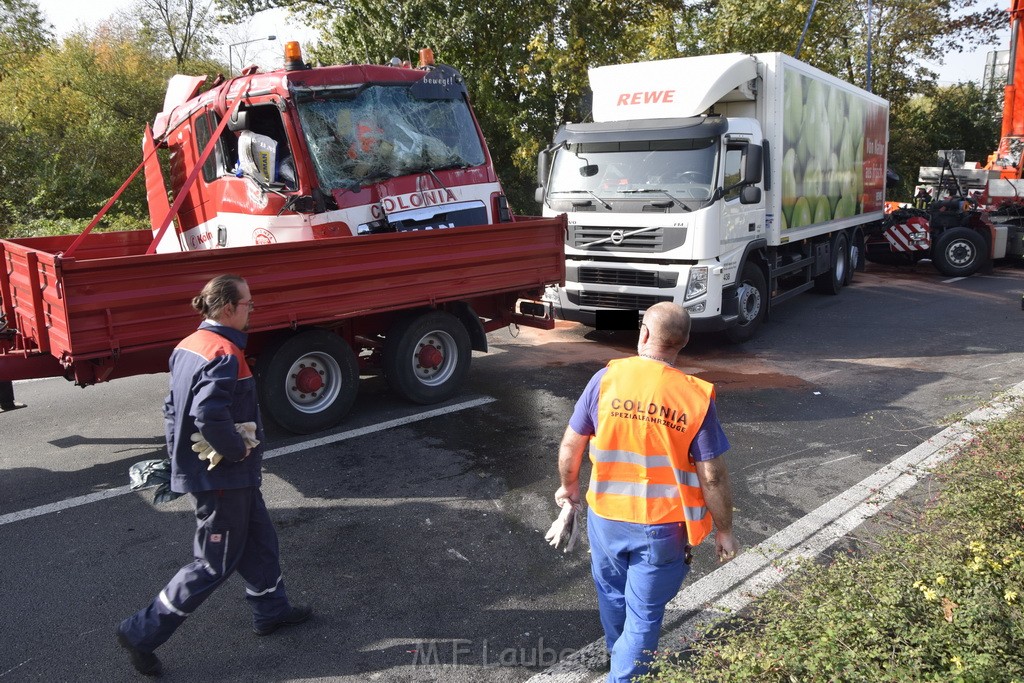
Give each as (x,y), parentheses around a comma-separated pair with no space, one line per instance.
(427,357)
(308,381)
(856,260)
(839,268)
(959,252)
(753,304)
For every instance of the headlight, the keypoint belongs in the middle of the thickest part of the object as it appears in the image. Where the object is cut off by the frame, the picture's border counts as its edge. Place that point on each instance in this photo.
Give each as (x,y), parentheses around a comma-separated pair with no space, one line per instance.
(697,285)
(696,308)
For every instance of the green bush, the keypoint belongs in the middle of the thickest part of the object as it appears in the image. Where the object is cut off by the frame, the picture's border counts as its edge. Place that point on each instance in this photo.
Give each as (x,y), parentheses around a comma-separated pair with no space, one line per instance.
(940,599)
(41,227)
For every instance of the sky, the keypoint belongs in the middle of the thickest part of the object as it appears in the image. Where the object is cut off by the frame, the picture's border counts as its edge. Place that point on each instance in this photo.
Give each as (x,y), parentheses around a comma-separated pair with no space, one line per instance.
(66,15)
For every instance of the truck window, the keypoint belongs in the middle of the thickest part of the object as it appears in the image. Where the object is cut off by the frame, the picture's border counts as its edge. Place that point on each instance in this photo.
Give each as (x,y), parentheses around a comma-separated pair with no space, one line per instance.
(733,170)
(684,168)
(384,132)
(265,120)
(214,166)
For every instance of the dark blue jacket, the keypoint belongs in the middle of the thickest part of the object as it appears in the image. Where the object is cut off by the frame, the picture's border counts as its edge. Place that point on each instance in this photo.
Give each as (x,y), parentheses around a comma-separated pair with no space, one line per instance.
(212,388)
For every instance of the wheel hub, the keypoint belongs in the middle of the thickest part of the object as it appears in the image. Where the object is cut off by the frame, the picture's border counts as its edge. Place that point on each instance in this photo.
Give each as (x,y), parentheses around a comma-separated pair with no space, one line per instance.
(429,357)
(309,379)
(960,253)
(750,302)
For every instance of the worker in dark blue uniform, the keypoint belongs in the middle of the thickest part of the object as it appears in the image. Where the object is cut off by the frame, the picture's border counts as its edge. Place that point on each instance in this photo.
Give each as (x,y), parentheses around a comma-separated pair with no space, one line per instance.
(212,392)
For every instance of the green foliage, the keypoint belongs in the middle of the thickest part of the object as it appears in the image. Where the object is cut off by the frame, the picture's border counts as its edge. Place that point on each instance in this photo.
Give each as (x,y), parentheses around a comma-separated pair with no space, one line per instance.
(940,600)
(183,28)
(961,116)
(73,118)
(526,63)
(71,114)
(43,227)
(23,32)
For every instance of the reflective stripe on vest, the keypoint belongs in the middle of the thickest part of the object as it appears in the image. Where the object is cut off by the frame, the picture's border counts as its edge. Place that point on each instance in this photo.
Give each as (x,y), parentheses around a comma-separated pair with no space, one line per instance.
(648,461)
(646,421)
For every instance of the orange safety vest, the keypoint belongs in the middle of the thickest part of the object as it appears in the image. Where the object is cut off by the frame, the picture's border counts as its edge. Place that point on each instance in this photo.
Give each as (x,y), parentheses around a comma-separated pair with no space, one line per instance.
(647,416)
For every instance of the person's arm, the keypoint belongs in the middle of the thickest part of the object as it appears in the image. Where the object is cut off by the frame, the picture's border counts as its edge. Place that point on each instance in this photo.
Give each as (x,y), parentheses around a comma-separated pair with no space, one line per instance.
(570,457)
(714,483)
(212,394)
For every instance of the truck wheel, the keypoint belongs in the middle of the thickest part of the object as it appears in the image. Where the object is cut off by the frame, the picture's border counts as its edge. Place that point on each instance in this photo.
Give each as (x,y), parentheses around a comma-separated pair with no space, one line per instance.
(959,252)
(753,304)
(856,260)
(426,357)
(832,281)
(308,381)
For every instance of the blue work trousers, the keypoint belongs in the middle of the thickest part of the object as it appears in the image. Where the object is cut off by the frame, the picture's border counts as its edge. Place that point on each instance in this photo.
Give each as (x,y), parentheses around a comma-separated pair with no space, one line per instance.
(233,533)
(637,569)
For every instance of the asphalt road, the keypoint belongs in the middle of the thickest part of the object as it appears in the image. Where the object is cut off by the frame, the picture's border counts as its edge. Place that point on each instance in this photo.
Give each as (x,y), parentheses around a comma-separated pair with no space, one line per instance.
(420,542)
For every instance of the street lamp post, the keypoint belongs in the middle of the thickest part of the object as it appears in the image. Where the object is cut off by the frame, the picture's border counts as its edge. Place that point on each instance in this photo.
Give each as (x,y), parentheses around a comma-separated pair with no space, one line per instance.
(232,46)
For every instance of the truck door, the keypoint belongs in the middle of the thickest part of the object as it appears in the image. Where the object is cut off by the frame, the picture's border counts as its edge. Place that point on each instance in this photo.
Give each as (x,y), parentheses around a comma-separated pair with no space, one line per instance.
(741,223)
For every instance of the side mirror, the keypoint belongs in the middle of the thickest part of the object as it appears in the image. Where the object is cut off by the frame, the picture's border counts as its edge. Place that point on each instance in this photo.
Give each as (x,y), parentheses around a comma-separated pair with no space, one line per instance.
(750,195)
(588,171)
(754,165)
(543,161)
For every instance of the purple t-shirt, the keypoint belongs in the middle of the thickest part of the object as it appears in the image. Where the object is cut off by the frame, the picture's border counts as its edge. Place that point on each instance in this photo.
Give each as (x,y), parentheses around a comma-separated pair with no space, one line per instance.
(709,443)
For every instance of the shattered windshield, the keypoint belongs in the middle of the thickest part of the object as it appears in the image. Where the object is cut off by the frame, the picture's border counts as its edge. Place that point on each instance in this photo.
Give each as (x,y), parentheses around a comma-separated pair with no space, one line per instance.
(384,132)
(683,169)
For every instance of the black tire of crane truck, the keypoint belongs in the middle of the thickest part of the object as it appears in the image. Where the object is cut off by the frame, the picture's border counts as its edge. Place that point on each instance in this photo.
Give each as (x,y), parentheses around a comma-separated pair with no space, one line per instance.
(753,304)
(959,252)
(308,381)
(427,356)
(839,268)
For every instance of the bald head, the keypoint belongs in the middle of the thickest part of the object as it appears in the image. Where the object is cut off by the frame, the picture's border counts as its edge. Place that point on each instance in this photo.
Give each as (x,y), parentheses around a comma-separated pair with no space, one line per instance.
(668,325)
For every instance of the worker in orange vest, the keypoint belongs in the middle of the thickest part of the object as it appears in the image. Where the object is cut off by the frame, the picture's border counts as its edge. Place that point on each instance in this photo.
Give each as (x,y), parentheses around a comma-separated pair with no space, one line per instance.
(658,484)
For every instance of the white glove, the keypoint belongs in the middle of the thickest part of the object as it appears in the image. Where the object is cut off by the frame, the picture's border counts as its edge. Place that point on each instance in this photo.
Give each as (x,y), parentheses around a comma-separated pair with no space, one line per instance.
(205,451)
(566,529)
(247,430)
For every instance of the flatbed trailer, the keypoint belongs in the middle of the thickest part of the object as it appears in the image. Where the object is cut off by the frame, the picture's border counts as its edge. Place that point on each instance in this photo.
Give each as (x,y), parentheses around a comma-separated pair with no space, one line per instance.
(410,304)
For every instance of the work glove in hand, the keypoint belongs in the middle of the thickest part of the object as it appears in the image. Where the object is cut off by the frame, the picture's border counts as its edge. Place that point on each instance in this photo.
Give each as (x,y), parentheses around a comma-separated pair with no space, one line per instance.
(205,451)
(247,430)
(566,529)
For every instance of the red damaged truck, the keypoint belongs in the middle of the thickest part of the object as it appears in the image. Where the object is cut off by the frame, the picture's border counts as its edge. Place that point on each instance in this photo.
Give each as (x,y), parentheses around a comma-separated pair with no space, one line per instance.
(359,202)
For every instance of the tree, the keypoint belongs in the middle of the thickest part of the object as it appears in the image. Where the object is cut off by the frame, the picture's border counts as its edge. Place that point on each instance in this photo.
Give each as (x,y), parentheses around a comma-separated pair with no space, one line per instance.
(961,116)
(184,27)
(526,64)
(71,124)
(23,32)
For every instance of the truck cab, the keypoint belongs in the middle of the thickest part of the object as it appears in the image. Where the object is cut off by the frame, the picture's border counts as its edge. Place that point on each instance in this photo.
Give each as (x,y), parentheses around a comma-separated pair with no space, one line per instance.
(664,208)
(312,153)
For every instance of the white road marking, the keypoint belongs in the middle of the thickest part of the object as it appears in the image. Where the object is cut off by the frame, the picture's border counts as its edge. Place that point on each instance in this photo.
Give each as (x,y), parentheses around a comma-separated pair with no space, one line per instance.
(955,279)
(735,585)
(273,453)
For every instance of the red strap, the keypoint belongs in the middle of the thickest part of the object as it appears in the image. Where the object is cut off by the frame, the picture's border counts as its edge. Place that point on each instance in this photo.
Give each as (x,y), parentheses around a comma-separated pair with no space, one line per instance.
(106,207)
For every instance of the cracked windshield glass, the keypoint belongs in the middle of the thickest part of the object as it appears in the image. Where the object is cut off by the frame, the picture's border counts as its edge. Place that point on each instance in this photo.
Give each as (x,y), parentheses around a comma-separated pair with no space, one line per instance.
(683,169)
(384,132)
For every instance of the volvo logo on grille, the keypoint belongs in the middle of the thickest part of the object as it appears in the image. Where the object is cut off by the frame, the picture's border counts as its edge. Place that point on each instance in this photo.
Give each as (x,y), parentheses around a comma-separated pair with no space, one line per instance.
(617,237)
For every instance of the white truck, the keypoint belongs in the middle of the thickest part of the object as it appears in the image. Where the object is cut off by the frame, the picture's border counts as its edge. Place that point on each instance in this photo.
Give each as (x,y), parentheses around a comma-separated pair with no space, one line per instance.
(726,183)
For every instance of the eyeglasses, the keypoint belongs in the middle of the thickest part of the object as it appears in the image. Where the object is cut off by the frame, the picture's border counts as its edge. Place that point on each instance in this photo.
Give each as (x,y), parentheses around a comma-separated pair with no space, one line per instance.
(251,303)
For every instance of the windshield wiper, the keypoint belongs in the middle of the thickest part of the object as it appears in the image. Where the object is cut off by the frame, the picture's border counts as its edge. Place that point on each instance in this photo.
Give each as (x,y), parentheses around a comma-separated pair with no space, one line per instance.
(645,190)
(603,202)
